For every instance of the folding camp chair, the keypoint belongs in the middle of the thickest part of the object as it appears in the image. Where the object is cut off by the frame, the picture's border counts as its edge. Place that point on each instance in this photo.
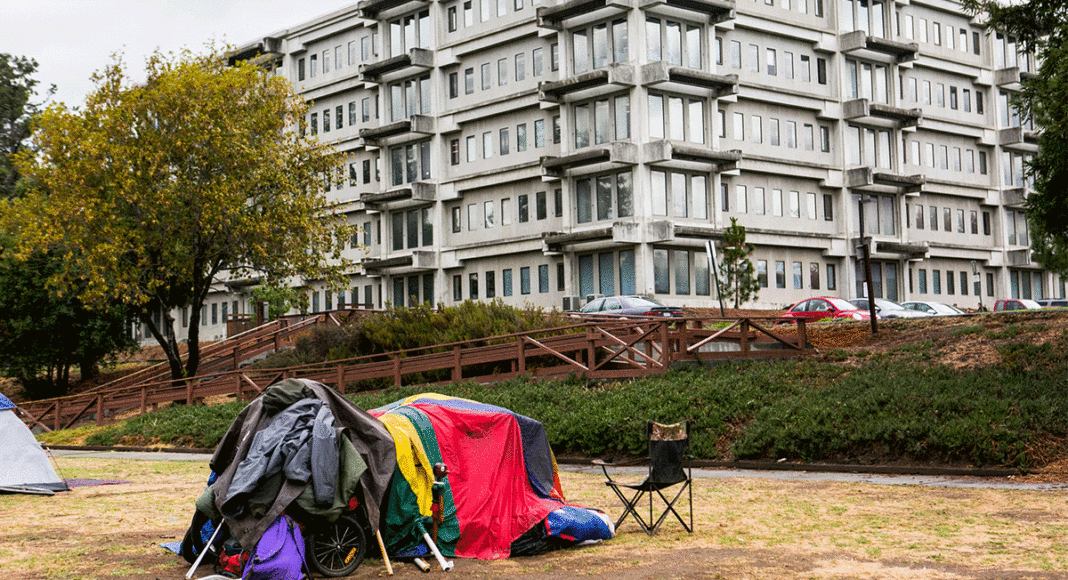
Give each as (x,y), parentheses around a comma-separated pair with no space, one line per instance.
(669,465)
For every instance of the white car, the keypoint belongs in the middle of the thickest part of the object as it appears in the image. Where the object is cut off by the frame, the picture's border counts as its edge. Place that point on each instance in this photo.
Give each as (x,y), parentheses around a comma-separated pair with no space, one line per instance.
(933,308)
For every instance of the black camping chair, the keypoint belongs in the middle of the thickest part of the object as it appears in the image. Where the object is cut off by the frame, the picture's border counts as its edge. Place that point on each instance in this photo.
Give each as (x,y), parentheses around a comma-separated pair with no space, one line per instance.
(669,465)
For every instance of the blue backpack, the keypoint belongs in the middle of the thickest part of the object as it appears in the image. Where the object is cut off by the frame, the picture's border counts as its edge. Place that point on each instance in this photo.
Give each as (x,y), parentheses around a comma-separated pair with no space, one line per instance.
(279,555)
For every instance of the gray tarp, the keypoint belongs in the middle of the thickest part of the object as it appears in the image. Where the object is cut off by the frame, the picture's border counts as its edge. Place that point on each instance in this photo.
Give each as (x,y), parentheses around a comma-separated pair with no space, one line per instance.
(368,435)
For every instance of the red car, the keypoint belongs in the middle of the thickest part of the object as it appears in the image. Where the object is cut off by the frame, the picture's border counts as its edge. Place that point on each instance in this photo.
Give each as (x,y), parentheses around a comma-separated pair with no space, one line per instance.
(812,309)
(1013,304)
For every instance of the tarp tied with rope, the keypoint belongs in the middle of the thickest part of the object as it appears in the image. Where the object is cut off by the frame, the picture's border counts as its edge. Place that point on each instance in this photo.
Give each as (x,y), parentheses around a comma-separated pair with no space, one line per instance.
(503,477)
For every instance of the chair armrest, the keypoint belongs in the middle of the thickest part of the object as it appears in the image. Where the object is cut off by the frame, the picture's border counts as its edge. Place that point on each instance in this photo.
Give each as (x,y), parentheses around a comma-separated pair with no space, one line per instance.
(603,463)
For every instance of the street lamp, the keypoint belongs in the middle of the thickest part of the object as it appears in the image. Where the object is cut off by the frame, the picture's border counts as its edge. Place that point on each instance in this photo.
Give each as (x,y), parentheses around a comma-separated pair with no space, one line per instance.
(865,245)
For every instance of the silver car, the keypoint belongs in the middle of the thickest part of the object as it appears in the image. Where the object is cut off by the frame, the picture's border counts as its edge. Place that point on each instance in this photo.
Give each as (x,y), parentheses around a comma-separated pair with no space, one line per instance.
(933,308)
(888,309)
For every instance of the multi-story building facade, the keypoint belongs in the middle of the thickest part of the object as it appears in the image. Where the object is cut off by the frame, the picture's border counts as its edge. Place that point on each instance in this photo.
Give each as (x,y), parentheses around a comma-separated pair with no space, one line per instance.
(542,153)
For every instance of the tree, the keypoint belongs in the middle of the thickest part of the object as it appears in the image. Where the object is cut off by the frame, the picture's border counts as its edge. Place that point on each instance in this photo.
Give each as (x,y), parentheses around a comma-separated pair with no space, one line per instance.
(1041,26)
(42,337)
(154,191)
(17,87)
(737,272)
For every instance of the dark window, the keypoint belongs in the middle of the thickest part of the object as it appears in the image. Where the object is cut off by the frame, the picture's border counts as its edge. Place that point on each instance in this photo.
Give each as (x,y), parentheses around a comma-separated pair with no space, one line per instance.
(541,205)
(454,85)
(524,208)
(558,201)
(828,207)
(472,286)
(821,71)
(300,69)
(457,288)
(454,151)
(560,277)
(986,223)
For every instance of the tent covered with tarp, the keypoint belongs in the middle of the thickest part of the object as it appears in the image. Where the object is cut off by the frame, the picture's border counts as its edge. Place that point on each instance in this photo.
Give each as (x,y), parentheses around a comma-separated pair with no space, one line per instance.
(503,479)
(24,465)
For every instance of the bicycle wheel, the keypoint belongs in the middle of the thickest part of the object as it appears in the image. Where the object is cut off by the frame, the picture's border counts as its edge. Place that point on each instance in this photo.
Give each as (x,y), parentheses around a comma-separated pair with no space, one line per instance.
(338,549)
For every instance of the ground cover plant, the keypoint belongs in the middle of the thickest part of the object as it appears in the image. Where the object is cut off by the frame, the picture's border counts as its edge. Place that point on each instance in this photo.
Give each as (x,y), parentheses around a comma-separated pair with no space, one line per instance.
(886,407)
(757,529)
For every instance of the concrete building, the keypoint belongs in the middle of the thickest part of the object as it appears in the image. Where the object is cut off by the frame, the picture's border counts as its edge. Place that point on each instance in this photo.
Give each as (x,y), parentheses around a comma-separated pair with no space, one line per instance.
(542,153)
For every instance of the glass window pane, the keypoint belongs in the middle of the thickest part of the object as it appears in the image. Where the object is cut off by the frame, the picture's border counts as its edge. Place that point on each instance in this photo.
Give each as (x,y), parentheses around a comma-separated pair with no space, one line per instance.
(678,195)
(700,196)
(622,117)
(581,51)
(656,116)
(681,265)
(675,116)
(619,41)
(693,46)
(673,47)
(627,284)
(600,45)
(604,198)
(606,273)
(584,200)
(661,282)
(601,122)
(697,121)
(624,195)
(659,191)
(652,40)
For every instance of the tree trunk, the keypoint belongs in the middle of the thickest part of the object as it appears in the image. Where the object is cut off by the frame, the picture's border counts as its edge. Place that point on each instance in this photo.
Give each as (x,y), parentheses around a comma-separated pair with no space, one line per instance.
(170,347)
(192,341)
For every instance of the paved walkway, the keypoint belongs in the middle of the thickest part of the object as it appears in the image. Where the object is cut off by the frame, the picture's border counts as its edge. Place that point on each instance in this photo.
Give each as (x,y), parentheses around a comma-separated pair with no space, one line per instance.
(921,480)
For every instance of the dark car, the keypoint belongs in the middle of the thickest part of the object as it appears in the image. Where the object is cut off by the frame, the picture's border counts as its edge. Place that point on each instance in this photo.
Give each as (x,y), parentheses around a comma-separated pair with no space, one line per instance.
(813,309)
(887,309)
(1013,304)
(629,306)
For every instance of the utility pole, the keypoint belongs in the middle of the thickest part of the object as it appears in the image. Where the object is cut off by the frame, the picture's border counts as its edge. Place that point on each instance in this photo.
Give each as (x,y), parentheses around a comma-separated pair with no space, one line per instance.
(865,246)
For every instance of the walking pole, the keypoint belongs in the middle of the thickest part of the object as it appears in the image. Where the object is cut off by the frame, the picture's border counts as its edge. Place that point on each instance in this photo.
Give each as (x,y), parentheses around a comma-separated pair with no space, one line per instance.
(196,564)
(385,556)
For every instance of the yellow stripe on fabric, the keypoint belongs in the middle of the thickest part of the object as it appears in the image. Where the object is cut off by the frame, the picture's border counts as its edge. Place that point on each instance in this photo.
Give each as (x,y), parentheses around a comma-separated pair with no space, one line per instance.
(411,459)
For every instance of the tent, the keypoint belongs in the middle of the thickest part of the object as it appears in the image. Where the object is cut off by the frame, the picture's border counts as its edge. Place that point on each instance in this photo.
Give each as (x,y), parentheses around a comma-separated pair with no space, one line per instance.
(24,466)
(501,497)
(503,479)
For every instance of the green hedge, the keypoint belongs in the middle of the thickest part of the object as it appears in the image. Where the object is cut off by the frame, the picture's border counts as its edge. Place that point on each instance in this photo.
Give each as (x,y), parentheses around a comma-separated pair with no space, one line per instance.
(888,409)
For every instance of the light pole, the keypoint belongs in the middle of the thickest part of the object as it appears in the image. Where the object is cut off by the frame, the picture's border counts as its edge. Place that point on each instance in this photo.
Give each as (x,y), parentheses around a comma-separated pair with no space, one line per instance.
(865,245)
(975,284)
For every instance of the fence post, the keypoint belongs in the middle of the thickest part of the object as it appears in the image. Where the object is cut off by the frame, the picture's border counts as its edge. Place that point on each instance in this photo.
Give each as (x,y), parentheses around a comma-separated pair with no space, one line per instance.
(340,378)
(745,337)
(237,386)
(237,361)
(521,355)
(396,371)
(100,409)
(144,400)
(457,370)
(59,403)
(188,392)
(591,349)
(667,350)
(802,334)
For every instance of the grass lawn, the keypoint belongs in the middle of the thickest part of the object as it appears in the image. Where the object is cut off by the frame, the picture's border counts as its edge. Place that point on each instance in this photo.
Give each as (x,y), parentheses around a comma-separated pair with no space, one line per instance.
(746,528)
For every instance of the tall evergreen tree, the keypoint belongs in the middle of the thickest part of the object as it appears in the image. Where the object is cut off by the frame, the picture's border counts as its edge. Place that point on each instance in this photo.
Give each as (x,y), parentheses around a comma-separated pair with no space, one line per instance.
(17,89)
(737,272)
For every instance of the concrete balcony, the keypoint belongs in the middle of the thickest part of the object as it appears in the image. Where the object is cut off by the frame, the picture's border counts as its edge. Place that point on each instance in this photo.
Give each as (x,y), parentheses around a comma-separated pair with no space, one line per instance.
(865,111)
(371,9)
(590,160)
(417,261)
(1014,198)
(1018,257)
(414,61)
(875,181)
(1018,139)
(859,43)
(716,11)
(680,79)
(414,127)
(1011,78)
(563,14)
(907,250)
(686,156)
(415,194)
(589,84)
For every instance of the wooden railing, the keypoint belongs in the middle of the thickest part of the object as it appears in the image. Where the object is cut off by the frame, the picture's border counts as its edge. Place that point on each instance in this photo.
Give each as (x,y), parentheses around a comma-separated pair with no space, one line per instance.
(608,348)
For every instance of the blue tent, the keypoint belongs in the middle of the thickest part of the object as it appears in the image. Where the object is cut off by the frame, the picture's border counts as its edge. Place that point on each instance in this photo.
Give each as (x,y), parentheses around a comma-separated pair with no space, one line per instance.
(24,466)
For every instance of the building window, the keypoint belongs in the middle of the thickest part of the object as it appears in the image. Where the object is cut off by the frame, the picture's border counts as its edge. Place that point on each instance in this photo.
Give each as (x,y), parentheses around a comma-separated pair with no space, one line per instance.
(412,97)
(543,278)
(524,280)
(408,32)
(472,285)
(410,163)
(677,118)
(536,59)
(487,82)
(677,43)
(607,120)
(603,197)
(598,45)
(674,193)
(780,274)
(300,69)
(506,282)
(524,208)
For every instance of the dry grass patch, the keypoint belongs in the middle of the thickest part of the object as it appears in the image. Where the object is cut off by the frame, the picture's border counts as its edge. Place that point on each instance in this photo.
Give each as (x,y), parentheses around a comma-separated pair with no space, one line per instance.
(746,528)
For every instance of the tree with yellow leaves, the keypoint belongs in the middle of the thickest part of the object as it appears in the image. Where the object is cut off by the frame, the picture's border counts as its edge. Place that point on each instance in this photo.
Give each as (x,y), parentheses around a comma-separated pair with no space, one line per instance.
(154,190)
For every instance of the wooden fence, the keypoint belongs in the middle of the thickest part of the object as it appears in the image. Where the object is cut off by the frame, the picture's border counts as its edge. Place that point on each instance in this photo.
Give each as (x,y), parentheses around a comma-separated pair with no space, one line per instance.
(608,348)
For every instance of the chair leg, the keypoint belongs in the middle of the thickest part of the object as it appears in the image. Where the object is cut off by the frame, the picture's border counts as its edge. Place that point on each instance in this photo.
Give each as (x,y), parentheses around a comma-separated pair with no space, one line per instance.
(670,508)
(630,507)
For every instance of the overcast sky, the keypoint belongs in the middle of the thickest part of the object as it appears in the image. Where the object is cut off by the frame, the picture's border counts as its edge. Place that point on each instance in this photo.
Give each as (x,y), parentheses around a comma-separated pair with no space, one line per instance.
(71,39)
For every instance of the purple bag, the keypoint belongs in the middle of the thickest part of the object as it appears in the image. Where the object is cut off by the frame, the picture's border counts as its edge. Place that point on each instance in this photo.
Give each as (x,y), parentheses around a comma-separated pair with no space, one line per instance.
(279,555)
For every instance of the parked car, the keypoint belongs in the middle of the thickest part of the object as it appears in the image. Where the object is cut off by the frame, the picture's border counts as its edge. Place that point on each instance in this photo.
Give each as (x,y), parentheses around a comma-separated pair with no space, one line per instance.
(933,308)
(1013,304)
(629,306)
(812,309)
(887,309)
(1053,303)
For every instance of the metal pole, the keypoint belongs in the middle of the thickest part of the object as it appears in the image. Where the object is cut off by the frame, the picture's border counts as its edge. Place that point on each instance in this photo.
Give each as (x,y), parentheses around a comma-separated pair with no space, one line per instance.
(866,248)
(710,249)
